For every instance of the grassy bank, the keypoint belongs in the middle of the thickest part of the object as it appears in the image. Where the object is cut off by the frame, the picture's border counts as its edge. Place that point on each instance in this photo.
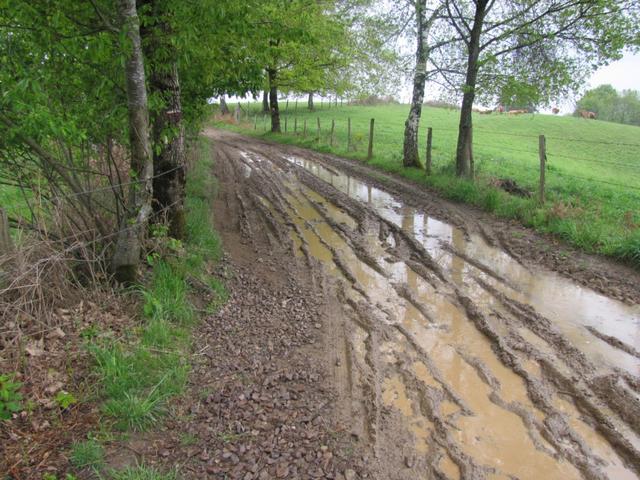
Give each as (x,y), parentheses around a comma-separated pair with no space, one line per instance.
(592,176)
(140,371)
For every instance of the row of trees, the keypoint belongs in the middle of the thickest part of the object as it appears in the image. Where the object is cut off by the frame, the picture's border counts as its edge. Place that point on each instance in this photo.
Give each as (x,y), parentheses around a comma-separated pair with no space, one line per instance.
(610,105)
(96,97)
(513,51)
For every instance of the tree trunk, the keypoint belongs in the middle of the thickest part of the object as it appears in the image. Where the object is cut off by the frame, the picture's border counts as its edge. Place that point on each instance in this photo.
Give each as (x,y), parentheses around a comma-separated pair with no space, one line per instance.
(126,256)
(224,109)
(167,128)
(273,100)
(265,101)
(169,155)
(464,150)
(310,102)
(411,157)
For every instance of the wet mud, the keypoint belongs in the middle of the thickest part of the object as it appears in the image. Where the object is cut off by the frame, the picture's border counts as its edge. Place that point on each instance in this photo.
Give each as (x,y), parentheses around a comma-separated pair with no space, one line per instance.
(453,357)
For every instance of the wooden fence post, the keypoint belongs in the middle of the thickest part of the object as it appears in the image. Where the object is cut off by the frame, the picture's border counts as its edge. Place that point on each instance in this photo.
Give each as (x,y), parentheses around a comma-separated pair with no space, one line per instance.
(304,129)
(349,134)
(542,153)
(429,142)
(318,118)
(285,124)
(295,125)
(255,121)
(333,127)
(6,246)
(370,151)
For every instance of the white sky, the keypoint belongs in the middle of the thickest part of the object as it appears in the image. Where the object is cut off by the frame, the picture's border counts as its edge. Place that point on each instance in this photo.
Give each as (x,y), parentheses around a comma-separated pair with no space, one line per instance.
(623,74)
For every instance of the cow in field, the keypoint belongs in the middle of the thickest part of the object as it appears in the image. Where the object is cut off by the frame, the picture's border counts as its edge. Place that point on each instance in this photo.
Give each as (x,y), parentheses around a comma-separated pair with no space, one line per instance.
(499,109)
(587,114)
(516,112)
(555,110)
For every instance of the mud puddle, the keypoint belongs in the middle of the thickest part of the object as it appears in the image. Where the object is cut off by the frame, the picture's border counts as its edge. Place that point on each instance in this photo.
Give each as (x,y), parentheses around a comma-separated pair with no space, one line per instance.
(571,307)
(456,361)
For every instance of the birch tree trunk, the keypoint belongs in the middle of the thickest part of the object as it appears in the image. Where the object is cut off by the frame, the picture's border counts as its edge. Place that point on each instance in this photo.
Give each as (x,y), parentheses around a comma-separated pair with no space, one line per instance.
(310,102)
(126,256)
(464,150)
(273,99)
(411,157)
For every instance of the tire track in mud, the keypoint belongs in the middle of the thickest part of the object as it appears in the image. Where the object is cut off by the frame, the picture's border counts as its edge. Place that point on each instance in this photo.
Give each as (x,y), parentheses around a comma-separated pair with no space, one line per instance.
(446,348)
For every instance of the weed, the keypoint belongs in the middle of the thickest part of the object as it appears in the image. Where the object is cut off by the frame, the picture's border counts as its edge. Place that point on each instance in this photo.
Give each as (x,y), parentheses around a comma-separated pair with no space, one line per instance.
(87,454)
(167,297)
(228,437)
(491,200)
(137,381)
(220,295)
(141,472)
(90,332)
(187,439)
(134,412)
(65,399)
(160,333)
(10,397)
(205,392)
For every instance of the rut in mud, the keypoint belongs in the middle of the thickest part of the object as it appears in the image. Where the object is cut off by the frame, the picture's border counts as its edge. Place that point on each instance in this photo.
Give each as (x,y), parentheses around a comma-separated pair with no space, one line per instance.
(452,358)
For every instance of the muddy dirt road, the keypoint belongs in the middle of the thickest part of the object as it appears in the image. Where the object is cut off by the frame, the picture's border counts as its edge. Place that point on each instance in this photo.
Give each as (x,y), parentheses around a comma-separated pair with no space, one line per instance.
(453,354)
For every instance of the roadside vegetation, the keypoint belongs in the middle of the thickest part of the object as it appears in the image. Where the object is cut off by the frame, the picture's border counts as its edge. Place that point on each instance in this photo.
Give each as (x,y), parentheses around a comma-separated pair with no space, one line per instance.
(136,370)
(140,374)
(592,176)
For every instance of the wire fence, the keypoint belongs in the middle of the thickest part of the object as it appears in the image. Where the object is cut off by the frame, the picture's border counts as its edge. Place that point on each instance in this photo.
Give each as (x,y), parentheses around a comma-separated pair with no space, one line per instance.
(72,244)
(353,137)
(112,187)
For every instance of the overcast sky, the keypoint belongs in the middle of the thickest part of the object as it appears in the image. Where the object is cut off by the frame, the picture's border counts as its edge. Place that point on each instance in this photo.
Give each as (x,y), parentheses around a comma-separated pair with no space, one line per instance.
(623,74)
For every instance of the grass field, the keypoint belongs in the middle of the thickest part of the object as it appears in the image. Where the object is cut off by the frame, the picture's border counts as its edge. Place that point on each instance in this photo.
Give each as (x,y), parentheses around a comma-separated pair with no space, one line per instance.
(593,167)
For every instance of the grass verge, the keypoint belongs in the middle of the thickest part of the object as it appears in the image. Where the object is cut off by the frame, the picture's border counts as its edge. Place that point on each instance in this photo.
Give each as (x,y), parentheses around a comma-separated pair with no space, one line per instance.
(139,372)
(593,167)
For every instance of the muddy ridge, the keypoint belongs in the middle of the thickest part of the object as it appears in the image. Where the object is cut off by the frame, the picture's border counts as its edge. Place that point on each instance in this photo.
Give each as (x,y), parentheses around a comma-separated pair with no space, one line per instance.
(453,355)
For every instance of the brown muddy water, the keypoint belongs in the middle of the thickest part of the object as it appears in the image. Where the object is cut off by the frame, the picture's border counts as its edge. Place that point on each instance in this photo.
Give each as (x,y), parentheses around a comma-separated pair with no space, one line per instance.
(457,361)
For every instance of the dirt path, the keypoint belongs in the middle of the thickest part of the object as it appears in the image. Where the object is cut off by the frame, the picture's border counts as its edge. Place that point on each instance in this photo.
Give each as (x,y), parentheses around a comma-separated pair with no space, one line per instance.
(451,352)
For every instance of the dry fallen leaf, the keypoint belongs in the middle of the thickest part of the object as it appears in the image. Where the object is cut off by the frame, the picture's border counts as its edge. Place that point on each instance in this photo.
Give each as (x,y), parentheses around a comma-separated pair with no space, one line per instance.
(35,348)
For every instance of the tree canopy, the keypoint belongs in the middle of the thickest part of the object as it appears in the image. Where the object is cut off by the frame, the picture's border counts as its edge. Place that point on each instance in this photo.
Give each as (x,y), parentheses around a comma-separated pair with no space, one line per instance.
(611,105)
